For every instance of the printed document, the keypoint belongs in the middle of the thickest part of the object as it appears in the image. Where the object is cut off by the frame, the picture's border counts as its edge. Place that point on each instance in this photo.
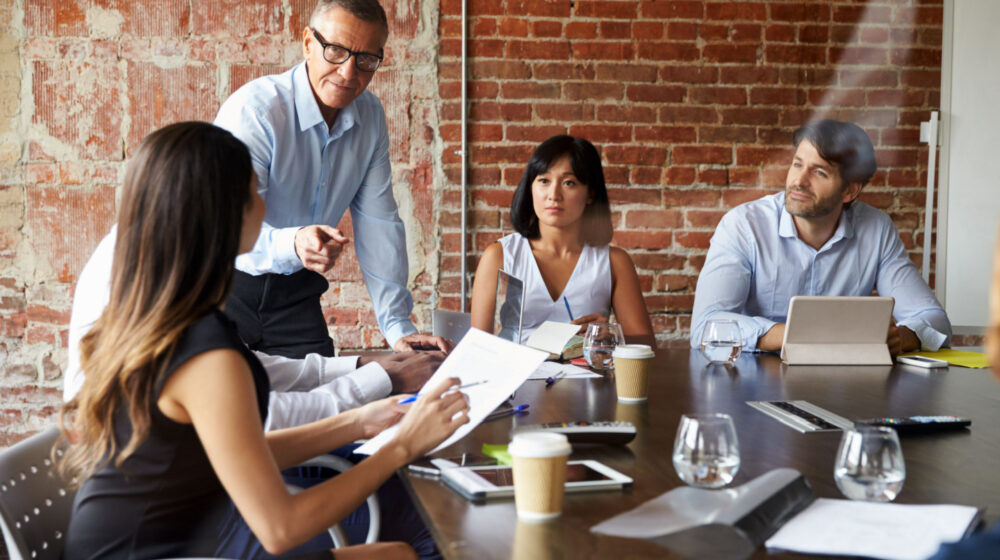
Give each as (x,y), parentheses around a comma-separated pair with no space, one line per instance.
(496,365)
(875,530)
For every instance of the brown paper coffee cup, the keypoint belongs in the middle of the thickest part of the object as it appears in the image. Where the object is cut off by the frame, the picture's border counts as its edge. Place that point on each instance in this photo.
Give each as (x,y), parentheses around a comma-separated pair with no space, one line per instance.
(632,364)
(539,474)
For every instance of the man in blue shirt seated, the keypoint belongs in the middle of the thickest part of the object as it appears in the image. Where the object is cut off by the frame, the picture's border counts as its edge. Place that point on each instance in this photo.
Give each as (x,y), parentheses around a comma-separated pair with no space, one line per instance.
(815,239)
(319,145)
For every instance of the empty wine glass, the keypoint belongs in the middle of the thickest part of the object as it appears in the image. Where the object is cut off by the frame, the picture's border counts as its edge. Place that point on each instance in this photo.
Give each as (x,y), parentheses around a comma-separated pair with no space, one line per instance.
(870,464)
(706,451)
(721,341)
(599,342)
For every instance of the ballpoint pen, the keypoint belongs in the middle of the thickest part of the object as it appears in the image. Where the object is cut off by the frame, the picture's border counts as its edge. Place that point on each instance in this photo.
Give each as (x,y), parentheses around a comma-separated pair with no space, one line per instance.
(553,378)
(412,398)
(568,310)
(506,412)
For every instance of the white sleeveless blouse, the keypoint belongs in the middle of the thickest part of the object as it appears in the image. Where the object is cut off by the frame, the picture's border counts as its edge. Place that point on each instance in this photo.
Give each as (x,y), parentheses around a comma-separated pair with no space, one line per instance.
(588,290)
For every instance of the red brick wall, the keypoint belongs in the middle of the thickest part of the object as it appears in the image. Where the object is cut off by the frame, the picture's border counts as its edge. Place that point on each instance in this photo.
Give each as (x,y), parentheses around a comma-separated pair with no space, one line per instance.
(692,104)
(81,83)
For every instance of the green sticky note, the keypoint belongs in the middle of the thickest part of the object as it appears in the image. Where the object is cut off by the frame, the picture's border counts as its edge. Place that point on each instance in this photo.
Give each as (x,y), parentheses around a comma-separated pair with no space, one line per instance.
(499,452)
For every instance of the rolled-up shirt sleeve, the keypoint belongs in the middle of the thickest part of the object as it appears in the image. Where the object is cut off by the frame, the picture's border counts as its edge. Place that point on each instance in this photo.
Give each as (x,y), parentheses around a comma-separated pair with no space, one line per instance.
(724,285)
(915,306)
(380,242)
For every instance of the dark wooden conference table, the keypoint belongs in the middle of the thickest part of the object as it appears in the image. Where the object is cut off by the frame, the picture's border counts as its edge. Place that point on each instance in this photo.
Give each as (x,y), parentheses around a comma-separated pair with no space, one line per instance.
(953,468)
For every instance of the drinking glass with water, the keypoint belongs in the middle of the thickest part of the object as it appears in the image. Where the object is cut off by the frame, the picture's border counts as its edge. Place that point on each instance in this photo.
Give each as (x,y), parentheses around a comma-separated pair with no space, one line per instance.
(870,464)
(706,451)
(599,342)
(721,341)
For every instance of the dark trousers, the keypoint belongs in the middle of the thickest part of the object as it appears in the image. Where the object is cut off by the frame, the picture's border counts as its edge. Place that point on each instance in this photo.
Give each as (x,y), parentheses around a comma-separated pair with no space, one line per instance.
(399,522)
(280,314)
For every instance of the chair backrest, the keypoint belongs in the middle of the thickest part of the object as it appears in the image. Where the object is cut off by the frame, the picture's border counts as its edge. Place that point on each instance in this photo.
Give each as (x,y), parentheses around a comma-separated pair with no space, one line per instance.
(35,503)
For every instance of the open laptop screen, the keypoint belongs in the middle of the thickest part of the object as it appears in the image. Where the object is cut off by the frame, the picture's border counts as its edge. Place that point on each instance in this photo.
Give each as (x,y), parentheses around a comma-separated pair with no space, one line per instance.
(509,306)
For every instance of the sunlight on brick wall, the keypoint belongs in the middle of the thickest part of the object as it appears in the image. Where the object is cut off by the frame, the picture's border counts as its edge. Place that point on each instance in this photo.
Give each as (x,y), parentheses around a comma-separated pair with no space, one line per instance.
(692,104)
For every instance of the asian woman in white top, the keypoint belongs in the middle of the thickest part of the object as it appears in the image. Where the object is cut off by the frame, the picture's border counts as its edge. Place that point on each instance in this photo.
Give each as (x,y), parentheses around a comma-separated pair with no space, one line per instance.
(561,250)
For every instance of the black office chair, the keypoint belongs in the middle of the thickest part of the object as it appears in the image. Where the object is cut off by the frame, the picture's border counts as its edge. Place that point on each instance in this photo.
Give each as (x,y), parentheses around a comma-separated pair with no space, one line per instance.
(34,501)
(35,504)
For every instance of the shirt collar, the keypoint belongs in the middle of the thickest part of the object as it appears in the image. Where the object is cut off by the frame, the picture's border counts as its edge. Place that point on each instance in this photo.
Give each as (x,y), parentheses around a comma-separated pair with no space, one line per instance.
(845,227)
(307,108)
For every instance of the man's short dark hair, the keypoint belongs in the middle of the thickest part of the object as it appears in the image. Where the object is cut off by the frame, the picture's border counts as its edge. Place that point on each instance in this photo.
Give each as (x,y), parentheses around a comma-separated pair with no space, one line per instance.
(586,164)
(365,10)
(844,144)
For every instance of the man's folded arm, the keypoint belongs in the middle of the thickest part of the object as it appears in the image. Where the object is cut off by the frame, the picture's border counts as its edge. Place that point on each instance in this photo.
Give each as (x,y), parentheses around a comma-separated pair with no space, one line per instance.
(290,374)
(724,286)
(915,306)
(366,384)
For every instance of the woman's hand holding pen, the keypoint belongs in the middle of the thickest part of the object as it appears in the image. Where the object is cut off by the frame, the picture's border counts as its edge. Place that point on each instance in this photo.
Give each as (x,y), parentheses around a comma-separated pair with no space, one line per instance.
(432,418)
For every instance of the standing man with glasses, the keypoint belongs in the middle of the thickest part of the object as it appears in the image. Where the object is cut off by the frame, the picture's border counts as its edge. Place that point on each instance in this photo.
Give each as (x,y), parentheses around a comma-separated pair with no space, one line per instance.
(320,145)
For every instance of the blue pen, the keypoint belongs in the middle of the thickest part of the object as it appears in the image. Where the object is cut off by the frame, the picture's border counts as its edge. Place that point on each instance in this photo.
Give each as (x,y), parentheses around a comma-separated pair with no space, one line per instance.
(413,398)
(552,379)
(568,310)
(507,412)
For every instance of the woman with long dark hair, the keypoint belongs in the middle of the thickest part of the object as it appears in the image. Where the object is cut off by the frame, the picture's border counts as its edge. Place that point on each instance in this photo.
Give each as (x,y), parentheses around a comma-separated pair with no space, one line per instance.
(561,250)
(167,428)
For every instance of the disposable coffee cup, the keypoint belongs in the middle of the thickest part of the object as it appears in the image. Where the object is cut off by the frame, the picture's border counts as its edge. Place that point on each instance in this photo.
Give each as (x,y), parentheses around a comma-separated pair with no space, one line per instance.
(632,363)
(539,474)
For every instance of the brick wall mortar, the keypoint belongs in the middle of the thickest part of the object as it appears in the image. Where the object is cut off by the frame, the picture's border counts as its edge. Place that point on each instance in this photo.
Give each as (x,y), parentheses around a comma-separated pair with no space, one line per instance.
(699,111)
(691,104)
(90,82)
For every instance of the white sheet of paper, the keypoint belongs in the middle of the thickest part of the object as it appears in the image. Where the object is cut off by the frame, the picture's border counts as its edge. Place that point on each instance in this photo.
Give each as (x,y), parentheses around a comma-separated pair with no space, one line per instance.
(479,356)
(568,371)
(890,531)
(552,336)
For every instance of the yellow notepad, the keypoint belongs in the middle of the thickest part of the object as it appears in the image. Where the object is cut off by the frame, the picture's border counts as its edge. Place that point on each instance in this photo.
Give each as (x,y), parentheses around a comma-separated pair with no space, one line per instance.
(955,357)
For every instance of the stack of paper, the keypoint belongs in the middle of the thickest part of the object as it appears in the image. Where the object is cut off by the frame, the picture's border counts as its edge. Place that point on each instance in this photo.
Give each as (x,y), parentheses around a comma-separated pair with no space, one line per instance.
(890,531)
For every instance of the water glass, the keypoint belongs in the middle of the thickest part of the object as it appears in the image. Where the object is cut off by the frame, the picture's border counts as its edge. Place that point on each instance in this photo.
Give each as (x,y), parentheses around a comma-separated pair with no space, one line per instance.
(870,464)
(721,341)
(599,342)
(706,451)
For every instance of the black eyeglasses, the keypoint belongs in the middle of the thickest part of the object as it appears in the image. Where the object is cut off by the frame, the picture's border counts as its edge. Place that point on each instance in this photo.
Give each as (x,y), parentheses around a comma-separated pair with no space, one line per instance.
(336,54)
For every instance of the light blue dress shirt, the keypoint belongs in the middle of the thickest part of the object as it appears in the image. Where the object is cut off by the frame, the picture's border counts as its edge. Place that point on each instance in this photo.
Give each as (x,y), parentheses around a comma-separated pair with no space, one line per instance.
(757,262)
(310,174)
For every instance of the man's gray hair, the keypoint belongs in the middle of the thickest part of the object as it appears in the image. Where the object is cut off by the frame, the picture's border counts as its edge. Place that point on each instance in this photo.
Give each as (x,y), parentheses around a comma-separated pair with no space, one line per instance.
(365,10)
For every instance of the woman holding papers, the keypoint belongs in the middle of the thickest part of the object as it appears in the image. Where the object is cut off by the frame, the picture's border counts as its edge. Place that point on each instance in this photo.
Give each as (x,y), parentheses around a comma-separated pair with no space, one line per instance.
(165,436)
(562,218)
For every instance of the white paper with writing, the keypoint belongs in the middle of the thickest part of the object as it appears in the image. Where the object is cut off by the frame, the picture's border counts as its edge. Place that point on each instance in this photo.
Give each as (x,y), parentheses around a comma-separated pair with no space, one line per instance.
(890,531)
(478,357)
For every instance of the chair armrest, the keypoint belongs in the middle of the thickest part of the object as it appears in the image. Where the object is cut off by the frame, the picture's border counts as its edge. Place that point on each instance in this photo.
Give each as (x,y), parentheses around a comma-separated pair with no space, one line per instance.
(339,464)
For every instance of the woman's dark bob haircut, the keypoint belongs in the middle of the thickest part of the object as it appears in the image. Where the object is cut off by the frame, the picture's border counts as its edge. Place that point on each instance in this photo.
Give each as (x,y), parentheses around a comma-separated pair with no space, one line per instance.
(586,164)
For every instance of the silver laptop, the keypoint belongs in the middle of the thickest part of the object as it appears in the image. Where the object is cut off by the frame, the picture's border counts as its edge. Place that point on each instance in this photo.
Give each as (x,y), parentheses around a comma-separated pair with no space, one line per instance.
(832,330)
(451,324)
(509,306)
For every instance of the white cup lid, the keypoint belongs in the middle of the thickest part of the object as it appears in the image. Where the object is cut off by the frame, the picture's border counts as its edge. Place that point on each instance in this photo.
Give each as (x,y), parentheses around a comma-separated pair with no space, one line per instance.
(539,444)
(635,351)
